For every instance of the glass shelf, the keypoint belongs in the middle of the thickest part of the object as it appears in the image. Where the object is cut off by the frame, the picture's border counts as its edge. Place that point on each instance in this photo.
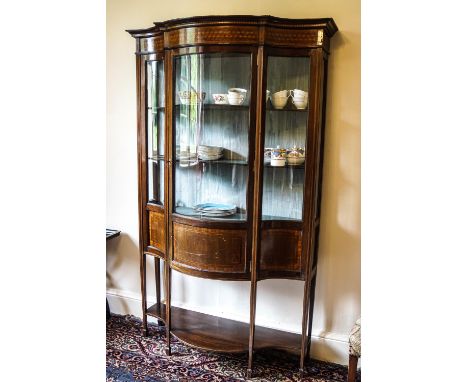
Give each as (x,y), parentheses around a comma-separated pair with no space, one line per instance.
(293,166)
(218,161)
(213,106)
(287,108)
(155,110)
(190,212)
(282,218)
(156,157)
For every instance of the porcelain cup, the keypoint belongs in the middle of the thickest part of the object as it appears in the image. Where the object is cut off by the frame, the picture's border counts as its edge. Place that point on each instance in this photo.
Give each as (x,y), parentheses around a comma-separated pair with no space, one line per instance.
(281,93)
(237,92)
(298,93)
(279,102)
(300,102)
(235,100)
(236,96)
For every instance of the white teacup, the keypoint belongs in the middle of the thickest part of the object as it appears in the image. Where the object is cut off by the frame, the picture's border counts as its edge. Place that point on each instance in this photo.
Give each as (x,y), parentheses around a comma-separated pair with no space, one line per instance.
(236,96)
(235,100)
(298,93)
(300,102)
(281,93)
(237,91)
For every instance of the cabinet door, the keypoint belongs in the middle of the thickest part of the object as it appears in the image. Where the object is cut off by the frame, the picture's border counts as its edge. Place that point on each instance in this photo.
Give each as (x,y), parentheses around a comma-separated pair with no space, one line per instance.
(155,127)
(286,121)
(211,117)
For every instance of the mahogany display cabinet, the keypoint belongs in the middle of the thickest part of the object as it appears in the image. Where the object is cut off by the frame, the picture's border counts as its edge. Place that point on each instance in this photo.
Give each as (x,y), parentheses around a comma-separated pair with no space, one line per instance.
(231,122)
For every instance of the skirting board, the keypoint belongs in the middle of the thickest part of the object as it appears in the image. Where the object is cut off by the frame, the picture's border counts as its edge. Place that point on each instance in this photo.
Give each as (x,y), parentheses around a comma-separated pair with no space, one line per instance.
(325,348)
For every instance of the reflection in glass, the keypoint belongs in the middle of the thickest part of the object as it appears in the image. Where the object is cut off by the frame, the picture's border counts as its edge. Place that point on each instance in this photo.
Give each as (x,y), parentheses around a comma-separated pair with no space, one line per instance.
(211,116)
(285,137)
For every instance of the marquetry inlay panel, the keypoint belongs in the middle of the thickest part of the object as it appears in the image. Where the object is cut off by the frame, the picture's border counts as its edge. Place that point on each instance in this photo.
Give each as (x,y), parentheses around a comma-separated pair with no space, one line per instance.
(211,35)
(297,37)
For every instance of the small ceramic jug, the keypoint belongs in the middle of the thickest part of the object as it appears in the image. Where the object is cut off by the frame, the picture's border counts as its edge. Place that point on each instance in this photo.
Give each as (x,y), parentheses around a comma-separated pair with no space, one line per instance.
(278,157)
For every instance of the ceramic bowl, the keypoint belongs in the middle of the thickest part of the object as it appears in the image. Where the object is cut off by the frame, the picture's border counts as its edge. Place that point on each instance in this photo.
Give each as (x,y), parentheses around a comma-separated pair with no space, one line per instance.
(295,161)
(220,99)
(278,162)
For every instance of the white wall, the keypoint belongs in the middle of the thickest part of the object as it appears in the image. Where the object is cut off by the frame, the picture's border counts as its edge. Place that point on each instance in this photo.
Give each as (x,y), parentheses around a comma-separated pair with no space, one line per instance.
(338,299)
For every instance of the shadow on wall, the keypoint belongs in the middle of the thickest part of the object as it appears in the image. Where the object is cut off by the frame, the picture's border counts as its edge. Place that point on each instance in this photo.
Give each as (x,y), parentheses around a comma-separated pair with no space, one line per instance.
(122,254)
(338,280)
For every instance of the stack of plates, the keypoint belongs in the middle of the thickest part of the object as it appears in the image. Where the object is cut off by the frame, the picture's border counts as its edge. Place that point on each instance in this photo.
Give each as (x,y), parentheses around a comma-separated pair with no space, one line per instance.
(186,155)
(215,209)
(186,158)
(210,152)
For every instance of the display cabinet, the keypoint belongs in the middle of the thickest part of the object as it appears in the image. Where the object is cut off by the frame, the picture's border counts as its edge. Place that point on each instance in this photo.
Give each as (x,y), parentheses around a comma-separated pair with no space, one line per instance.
(231,122)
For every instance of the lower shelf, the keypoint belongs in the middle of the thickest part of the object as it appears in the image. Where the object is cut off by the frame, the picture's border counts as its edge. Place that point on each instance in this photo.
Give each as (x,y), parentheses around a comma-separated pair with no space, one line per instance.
(220,334)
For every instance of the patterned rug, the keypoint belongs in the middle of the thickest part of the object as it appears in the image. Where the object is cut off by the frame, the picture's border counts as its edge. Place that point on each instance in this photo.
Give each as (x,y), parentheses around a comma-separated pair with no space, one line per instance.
(131,357)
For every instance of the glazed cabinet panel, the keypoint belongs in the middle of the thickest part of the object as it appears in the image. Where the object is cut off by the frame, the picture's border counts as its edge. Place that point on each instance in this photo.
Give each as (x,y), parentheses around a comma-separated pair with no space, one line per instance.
(211,119)
(155,123)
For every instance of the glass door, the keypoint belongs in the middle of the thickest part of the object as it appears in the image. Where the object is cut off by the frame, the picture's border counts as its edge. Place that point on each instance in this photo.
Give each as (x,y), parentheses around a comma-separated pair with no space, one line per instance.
(155,123)
(286,120)
(212,98)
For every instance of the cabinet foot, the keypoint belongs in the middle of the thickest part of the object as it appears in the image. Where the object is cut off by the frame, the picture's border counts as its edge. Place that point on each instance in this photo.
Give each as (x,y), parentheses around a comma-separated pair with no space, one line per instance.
(301,373)
(168,351)
(144,332)
(249,373)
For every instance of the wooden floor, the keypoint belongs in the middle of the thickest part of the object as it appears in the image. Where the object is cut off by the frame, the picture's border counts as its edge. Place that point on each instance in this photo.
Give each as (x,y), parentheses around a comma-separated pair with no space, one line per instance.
(221,334)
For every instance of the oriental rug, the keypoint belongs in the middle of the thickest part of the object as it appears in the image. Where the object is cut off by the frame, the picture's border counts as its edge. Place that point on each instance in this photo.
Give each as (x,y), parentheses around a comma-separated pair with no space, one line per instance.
(132,357)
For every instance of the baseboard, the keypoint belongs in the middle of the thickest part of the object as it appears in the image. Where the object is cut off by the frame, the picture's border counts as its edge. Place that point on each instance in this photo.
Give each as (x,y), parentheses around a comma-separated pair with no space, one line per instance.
(331,347)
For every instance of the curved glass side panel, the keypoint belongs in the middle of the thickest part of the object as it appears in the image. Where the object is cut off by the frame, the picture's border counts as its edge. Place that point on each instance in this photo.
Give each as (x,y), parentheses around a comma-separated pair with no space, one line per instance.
(286,118)
(211,127)
(155,126)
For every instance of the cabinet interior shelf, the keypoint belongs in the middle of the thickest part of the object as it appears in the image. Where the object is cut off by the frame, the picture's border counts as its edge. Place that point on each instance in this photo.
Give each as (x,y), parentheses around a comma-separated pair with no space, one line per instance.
(190,212)
(287,108)
(268,165)
(156,109)
(221,334)
(212,106)
(228,162)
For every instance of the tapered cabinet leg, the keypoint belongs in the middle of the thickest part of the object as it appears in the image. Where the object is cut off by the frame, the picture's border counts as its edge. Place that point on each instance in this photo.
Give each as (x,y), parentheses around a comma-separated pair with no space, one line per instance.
(168,307)
(307,311)
(311,315)
(352,369)
(253,304)
(157,277)
(144,329)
